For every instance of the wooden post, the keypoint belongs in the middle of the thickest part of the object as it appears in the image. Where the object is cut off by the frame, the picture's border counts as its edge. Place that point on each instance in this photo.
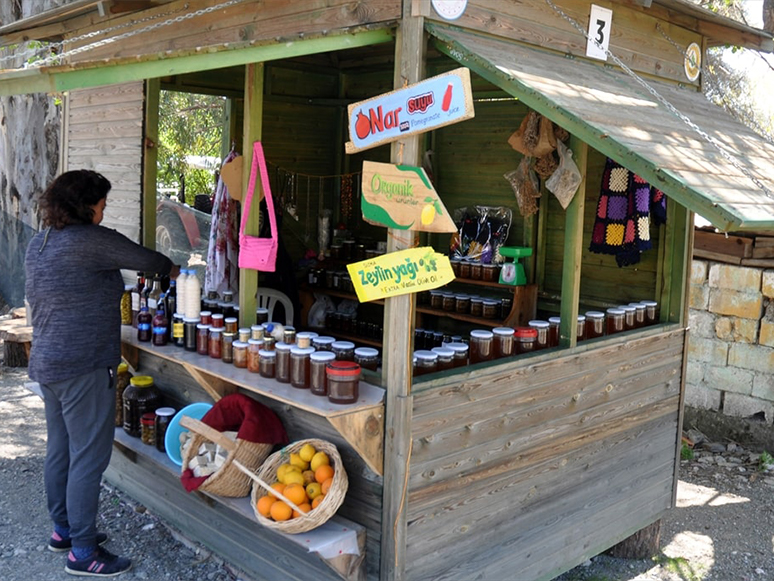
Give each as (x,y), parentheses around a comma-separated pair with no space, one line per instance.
(149,158)
(253,127)
(573,249)
(643,544)
(399,315)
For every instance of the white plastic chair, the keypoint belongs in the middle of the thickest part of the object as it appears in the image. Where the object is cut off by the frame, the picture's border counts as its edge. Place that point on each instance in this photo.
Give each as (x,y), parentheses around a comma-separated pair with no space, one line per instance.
(267,298)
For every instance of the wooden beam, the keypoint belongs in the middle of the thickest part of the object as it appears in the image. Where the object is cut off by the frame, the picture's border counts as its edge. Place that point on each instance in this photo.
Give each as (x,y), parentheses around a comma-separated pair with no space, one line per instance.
(149,159)
(253,129)
(364,430)
(678,241)
(573,249)
(214,386)
(399,314)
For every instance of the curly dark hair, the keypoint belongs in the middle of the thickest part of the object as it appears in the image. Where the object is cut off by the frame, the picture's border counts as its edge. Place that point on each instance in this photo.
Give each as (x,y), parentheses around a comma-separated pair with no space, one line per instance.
(69,198)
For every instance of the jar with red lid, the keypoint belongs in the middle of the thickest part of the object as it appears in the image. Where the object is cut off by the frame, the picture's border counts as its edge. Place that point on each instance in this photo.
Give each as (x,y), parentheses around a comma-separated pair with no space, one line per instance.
(595,324)
(542,328)
(630,314)
(460,353)
(148,428)
(526,338)
(503,342)
(282,372)
(615,320)
(318,363)
(215,342)
(445,358)
(553,331)
(343,381)
(481,346)
(425,362)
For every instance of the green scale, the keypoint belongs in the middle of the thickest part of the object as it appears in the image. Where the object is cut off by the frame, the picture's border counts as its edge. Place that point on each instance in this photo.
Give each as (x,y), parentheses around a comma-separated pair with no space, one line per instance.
(513,272)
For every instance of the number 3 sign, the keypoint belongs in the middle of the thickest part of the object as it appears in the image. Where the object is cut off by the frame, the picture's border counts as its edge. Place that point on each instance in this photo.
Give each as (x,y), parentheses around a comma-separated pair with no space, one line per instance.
(600,22)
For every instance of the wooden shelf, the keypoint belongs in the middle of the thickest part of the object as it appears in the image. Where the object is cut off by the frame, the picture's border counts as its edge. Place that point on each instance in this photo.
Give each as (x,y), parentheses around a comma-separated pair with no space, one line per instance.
(461,317)
(355,338)
(497,285)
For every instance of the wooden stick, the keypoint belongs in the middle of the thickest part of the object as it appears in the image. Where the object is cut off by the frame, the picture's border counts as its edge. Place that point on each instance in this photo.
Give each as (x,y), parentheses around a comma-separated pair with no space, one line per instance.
(270,490)
(213,435)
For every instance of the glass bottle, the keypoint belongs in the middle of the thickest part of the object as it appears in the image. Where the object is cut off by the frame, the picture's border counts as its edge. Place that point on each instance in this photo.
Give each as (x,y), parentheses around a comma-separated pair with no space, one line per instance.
(148,428)
(145,293)
(154,295)
(160,326)
(123,376)
(126,305)
(189,333)
(136,292)
(170,303)
(144,323)
(161,423)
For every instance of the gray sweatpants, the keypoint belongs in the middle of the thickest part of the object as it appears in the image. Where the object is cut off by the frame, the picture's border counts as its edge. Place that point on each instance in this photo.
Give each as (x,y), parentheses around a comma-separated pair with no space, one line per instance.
(80,418)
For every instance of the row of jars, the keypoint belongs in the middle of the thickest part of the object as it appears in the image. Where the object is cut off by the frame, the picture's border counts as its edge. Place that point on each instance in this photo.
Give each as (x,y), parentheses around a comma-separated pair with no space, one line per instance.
(349,324)
(475,269)
(486,307)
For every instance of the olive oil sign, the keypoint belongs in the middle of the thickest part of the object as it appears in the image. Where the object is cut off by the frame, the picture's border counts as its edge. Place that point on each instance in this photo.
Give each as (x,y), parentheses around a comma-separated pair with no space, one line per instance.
(400,273)
(402,197)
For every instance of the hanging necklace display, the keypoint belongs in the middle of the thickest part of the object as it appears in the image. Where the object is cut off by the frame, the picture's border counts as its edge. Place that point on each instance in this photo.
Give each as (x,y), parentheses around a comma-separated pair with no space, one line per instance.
(346,198)
(291,203)
(307,226)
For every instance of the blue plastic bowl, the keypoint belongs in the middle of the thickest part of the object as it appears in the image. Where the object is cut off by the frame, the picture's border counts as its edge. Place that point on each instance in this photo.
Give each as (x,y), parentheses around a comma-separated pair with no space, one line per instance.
(172,437)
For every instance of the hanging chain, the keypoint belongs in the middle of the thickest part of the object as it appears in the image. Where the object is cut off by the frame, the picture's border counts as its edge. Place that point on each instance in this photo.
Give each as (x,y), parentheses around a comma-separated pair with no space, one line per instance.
(671,108)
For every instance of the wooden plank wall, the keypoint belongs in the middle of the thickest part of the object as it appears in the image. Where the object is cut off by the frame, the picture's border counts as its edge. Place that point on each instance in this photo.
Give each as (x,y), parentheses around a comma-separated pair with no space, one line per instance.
(537,468)
(364,496)
(635,38)
(104,133)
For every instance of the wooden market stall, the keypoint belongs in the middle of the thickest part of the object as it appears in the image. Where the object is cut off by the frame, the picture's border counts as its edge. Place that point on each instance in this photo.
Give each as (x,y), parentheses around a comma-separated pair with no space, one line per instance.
(530,464)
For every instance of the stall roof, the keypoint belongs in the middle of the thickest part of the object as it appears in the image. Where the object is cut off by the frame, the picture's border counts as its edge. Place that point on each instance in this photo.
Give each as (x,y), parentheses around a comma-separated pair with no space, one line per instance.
(609,110)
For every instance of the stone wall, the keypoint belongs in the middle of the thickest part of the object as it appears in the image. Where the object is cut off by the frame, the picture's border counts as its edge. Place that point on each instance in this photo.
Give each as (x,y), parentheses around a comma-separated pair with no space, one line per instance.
(731,349)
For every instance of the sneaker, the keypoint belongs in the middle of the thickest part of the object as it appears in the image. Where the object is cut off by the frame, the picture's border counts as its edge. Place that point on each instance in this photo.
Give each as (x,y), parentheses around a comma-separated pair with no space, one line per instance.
(102,563)
(59,545)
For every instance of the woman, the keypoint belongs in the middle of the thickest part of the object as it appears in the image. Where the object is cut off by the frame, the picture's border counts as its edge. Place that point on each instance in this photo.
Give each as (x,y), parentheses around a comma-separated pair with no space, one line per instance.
(74,289)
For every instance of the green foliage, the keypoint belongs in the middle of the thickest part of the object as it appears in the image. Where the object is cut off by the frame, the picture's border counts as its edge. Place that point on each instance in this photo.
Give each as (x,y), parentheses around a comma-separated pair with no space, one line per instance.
(686,452)
(681,567)
(189,124)
(765,461)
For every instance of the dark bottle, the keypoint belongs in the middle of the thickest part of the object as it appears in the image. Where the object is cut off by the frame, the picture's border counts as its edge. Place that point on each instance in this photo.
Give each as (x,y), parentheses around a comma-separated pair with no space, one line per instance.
(170,306)
(145,293)
(144,322)
(154,295)
(160,325)
(136,292)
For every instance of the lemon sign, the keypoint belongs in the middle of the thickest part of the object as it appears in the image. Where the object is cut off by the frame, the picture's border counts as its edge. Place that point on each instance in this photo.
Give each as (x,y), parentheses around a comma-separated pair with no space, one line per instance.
(692,61)
(402,197)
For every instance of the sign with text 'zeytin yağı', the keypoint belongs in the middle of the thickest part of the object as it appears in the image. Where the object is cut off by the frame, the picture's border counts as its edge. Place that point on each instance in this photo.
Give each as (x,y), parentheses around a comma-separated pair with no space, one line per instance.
(402,197)
(400,273)
(423,106)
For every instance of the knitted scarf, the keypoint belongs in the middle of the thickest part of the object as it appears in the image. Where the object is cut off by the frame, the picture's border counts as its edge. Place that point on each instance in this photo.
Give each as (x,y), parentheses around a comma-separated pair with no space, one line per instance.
(622,225)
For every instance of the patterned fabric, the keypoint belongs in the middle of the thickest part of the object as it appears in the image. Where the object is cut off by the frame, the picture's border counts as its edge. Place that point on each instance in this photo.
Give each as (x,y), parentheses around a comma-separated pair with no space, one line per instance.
(622,226)
(222,273)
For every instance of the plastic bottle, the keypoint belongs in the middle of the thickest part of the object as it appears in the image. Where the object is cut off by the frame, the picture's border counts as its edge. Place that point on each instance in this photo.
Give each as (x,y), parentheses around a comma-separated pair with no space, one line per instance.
(181,280)
(144,321)
(193,295)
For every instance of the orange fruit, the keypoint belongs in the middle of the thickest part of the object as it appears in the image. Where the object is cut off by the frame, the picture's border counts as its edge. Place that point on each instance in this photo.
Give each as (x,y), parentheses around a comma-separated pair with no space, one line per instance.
(264,505)
(295,493)
(323,473)
(326,486)
(305,508)
(280,511)
(316,502)
(279,487)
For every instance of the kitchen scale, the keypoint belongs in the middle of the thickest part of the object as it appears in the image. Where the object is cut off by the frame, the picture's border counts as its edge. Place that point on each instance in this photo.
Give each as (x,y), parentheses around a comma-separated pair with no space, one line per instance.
(513,272)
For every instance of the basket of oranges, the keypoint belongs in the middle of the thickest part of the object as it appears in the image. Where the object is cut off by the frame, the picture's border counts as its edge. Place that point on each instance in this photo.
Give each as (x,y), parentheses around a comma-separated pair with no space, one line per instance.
(300,487)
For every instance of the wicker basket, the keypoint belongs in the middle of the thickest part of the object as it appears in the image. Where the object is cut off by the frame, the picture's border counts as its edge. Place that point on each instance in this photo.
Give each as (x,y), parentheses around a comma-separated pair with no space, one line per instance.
(228,480)
(326,509)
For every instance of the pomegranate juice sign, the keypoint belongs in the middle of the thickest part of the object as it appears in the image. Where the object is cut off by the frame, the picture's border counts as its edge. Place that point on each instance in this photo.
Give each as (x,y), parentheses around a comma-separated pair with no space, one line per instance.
(427,105)
(402,197)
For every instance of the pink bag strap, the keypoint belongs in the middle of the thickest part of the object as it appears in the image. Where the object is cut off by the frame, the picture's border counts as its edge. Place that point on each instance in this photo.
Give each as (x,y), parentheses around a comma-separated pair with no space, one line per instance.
(259,163)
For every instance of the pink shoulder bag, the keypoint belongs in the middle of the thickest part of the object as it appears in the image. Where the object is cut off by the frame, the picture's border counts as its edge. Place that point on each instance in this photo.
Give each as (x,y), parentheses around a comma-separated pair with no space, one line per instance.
(258,253)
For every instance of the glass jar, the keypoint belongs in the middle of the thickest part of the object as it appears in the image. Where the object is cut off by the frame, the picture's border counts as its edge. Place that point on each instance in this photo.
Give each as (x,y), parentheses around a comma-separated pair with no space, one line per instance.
(227,347)
(244,334)
(299,366)
(217,320)
(462,304)
(455,265)
(476,270)
(464,268)
(491,308)
(490,273)
(268,363)
(215,342)
(476,306)
(160,424)
(553,331)
(630,314)
(261,316)
(148,428)
(367,358)
(615,320)
(253,355)
(436,299)
(178,330)
(289,335)
(580,330)
(240,354)
(232,325)
(425,362)
(343,350)
(448,302)
(595,324)
(304,338)
(122,382)
(268,342)
(445,358)
(651,312)
(343,381)
(639,314)
(318,362)
(542,328)
(481,346)
(256,332)
(282,373)
(503,342)
(460,353)
(205,317)
(323,343)
(526,339)
(141,397)
(190,333)
(202,339)
(506,306)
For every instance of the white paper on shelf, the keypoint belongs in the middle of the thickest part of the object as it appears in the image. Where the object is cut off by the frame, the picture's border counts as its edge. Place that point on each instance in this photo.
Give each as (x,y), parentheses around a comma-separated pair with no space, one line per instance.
(329,540)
